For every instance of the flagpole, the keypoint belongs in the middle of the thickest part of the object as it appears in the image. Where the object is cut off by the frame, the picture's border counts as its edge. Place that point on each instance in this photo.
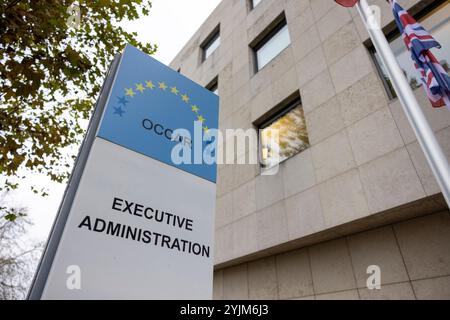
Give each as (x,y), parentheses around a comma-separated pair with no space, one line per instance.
(425,135)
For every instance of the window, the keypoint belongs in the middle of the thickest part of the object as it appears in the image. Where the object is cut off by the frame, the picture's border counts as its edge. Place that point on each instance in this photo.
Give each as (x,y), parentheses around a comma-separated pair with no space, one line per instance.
(211,44)
(272,44)
(254,3)
(292,133)
(213,86)
(437,22)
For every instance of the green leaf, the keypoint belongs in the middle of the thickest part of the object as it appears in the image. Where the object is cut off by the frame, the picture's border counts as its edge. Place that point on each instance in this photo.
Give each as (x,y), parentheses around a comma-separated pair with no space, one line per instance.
(11,217)
(44,65)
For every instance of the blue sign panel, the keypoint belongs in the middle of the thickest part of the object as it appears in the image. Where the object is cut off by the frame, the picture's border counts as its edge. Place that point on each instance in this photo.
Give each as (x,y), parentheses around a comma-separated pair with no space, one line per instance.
(148,102)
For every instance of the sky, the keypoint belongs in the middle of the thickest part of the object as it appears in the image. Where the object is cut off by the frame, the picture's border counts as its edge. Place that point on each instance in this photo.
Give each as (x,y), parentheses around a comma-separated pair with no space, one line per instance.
(170,25)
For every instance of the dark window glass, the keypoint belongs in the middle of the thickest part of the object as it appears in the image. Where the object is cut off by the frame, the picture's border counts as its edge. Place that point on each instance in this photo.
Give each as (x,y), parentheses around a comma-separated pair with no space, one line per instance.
(213,86)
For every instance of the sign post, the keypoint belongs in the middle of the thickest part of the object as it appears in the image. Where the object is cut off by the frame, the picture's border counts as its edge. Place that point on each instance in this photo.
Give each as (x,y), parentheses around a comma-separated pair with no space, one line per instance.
(138,223)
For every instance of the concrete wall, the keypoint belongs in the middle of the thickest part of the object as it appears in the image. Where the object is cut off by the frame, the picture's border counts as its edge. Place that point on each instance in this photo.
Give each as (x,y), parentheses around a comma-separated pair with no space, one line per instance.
(413,256)
(364,161)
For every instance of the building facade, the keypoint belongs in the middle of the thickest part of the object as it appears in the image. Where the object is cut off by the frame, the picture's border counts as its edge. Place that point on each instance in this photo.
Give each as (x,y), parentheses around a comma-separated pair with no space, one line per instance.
(353,188)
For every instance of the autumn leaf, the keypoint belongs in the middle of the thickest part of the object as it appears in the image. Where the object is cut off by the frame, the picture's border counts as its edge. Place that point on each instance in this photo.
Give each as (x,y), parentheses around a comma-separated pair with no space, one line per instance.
(50,77)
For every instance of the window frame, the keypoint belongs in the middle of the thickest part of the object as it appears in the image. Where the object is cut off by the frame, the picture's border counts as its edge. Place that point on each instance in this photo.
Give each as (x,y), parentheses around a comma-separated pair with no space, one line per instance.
(279,23)
(210,39)
(251,4)
(273,116)
(418,12)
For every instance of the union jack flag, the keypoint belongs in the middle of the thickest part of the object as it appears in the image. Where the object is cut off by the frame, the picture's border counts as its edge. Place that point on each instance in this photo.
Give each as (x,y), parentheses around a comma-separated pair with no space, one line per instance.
(435,79)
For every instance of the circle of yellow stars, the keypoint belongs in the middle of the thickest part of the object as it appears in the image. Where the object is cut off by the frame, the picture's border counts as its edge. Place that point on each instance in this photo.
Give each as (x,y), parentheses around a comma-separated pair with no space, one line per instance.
(140,88)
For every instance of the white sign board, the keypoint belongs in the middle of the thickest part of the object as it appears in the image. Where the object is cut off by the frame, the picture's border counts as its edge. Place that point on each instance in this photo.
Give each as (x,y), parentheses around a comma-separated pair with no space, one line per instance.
(139,226)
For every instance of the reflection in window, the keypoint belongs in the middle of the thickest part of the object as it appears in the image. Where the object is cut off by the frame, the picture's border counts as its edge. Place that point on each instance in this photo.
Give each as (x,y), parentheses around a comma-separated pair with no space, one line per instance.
(437,23)
(292,135)
(270,47)
(211,44)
